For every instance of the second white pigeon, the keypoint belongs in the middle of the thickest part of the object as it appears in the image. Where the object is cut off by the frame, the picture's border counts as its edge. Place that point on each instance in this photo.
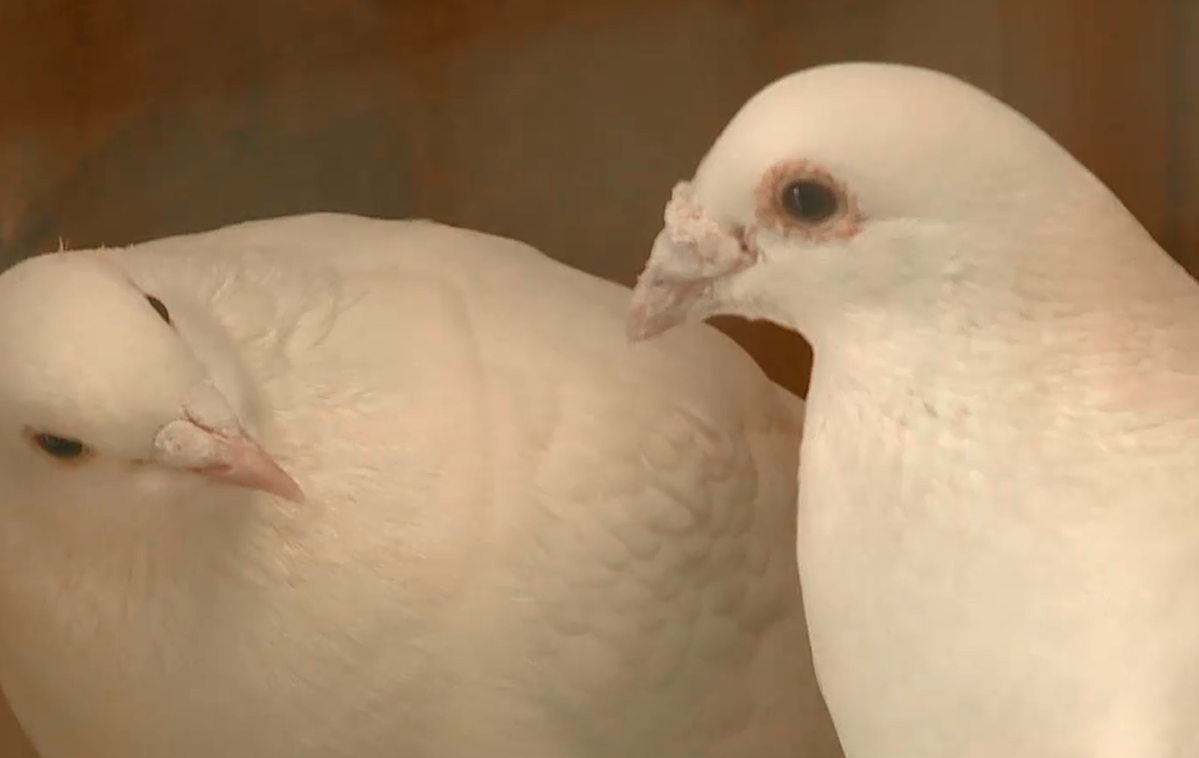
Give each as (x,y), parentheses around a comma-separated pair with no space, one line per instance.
(336,487)
(999,496)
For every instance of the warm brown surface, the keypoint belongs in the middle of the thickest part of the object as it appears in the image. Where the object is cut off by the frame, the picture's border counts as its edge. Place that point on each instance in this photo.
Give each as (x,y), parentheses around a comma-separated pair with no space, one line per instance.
(12,741)
(562,124)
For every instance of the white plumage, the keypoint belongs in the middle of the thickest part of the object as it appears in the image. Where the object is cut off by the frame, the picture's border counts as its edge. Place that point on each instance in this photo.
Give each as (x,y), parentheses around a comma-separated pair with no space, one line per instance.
(999,496)
(508,532)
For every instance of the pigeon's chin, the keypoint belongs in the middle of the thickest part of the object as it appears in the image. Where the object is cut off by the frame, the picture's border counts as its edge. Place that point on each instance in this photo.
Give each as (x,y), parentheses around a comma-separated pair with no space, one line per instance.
(227,456)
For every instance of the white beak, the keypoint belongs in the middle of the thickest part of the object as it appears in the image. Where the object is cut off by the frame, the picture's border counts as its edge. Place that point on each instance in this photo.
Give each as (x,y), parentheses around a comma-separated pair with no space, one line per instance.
(677,283)
(228,456)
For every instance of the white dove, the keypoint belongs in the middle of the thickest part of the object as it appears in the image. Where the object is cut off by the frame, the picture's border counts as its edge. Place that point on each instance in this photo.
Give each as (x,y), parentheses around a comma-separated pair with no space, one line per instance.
(999,498)
(335,486)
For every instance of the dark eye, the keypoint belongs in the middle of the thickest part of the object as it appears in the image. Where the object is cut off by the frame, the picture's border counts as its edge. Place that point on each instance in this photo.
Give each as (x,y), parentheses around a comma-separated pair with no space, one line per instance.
(810,201)
(62,448)
(157,305)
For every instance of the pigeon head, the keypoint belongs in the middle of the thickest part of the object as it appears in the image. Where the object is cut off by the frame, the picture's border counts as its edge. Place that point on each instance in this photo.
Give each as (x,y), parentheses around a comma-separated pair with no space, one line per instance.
(101,388)
(858,190)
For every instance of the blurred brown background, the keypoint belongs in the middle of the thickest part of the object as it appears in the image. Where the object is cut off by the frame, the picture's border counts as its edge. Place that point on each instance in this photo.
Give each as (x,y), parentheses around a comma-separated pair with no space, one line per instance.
(563,124)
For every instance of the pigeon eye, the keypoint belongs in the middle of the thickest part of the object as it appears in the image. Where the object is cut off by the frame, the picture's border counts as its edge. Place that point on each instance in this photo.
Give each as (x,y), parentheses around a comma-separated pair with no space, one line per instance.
(810,201)
(62,448)
(161,308)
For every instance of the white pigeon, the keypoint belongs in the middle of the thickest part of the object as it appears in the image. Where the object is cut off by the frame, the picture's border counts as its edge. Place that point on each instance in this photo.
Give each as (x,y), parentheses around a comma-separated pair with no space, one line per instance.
(335,486)
(999,498)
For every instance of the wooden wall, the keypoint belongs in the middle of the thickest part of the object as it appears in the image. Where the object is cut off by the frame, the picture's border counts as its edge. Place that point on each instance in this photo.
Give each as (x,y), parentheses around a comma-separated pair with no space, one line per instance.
(560,123)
